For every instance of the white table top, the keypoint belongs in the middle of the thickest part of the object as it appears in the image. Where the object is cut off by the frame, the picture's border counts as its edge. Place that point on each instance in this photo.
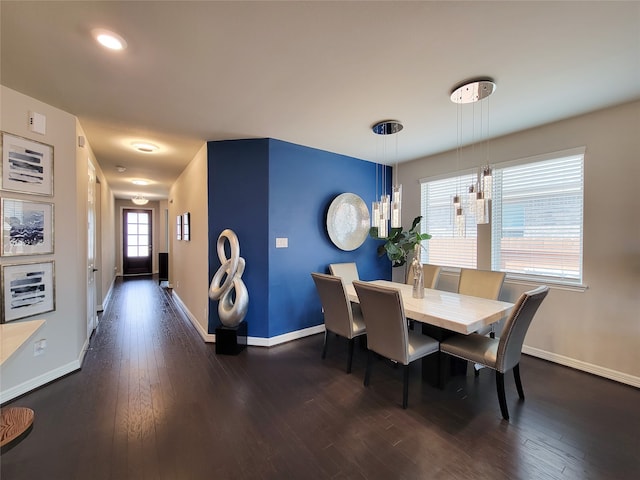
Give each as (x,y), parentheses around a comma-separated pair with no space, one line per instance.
(459,313)
(14,334)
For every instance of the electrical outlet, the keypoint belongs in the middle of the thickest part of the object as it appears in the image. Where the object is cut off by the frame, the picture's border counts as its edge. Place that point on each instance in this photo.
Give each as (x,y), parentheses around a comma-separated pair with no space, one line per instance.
(39,346)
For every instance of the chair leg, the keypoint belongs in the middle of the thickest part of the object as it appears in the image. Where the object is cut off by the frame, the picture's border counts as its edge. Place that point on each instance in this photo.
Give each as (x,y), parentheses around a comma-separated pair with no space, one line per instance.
(350,359)
(501,396)
(516,376)
(367,374)
(405,387)
(324,347)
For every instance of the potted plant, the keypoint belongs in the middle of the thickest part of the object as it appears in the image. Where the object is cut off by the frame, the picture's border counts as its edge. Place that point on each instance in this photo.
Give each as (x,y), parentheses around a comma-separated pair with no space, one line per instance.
(399,244)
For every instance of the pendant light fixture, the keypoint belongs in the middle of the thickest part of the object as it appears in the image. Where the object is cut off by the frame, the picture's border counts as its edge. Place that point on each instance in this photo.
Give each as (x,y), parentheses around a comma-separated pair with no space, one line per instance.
(479,193)
(389,208)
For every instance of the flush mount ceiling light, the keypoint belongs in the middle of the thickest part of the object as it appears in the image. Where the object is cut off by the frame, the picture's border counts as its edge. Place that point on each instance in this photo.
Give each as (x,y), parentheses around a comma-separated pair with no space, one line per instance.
(121,169)
(145,147)
(140,182)
(109,39)
(140,200)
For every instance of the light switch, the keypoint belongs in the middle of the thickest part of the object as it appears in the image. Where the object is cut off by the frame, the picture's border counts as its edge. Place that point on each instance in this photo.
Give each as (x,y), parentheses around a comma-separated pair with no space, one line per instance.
(282,242)
(37,123)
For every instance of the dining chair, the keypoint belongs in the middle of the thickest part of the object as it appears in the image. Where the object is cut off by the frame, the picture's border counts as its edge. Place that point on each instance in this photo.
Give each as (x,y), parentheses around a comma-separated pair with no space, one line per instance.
(500,354)
(387,332)
(339,317)
(484,284)
(347,271)
(431,274)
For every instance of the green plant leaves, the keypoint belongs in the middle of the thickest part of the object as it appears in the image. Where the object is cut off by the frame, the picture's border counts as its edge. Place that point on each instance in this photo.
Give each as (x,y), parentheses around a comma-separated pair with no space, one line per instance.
(399,244)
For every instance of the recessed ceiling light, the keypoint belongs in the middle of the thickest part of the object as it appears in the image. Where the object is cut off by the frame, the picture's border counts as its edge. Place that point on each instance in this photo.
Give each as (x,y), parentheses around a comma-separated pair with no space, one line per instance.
(145,147)
(140,182)
(109,39)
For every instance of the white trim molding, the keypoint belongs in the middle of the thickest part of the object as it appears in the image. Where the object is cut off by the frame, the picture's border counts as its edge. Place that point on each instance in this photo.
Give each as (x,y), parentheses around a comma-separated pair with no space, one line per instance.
(207,337)
(41,380)
(583,366)
(285,337)
(251,341)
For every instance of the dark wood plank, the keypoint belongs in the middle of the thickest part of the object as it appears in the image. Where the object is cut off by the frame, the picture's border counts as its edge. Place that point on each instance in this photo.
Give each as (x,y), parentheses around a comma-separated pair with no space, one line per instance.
(153,401)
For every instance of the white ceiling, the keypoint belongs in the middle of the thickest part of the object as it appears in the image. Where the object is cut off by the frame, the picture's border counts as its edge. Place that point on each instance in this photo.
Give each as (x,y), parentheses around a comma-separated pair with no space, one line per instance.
(317,73)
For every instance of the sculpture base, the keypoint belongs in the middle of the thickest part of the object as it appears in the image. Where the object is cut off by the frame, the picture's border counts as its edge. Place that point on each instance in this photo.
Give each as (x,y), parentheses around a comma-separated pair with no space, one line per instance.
(231,340)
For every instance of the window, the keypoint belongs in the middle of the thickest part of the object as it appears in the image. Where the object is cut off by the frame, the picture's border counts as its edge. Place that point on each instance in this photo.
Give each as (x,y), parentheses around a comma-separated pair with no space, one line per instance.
(446,248)
(536,227)
(537,218)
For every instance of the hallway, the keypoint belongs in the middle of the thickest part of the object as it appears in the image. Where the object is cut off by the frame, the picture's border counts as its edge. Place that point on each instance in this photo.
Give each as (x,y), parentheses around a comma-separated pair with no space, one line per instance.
(153,401)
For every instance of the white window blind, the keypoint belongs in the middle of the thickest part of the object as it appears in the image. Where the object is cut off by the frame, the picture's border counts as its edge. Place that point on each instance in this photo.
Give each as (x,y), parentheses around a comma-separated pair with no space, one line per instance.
(537,217)
(445,247)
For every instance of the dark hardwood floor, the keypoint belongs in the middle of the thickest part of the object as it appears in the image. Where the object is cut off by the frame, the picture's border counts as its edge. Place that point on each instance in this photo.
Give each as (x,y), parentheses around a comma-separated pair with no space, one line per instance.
(153,401)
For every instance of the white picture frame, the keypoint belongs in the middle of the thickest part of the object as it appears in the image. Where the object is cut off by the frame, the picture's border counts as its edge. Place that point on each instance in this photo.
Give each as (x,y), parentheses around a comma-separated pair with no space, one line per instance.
(27,165)
(27,227)
(28,289)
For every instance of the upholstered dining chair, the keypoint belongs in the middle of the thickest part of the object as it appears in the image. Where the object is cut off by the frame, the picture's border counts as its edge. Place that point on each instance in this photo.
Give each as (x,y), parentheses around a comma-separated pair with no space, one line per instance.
(339,317)
(431,274)
(347,271)
(501,354)
(481,283)
(387,331)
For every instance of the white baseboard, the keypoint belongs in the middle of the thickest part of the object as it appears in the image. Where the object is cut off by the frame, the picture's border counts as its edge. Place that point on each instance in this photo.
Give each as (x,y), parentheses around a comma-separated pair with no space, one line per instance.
(251,341)
(285,337)
(40,380)
(207,337)
(583,366)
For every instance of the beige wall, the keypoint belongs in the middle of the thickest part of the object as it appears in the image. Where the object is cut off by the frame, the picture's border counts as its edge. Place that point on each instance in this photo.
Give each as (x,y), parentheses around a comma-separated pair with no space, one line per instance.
(596,330)
(188,261)
(65,328)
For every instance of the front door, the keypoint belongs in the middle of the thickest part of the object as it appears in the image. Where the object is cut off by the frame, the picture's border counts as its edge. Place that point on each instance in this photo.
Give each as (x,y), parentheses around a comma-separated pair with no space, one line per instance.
(136,242)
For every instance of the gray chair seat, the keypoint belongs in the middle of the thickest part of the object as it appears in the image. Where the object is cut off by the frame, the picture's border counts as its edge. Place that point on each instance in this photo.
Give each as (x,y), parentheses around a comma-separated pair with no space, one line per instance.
(474,348)
(420,345)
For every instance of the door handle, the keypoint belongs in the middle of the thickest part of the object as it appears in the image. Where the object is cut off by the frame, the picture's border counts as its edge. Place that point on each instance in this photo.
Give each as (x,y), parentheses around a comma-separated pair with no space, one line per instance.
(94,269)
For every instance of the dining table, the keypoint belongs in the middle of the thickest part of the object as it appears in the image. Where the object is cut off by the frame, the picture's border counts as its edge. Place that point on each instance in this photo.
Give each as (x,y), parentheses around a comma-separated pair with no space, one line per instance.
(442,314)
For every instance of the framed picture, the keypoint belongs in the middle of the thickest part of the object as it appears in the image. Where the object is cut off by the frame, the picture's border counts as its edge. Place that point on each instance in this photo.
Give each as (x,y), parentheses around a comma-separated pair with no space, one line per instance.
(179,227)
(27,165)
(27,289)
(27,227)
(186,233)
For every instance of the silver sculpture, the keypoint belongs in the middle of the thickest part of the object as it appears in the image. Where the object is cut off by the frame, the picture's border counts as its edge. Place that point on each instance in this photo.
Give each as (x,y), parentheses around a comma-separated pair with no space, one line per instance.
(231,312)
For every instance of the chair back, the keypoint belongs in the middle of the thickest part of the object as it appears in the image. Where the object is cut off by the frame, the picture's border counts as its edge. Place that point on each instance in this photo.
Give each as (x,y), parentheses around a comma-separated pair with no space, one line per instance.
(384,318)
(338,316)
(480,283)
(347,271)
(516,326)
(431,274)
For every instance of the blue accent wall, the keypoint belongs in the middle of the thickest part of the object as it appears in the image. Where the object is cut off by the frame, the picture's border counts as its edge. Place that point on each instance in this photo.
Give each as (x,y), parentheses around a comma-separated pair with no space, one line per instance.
(264,189)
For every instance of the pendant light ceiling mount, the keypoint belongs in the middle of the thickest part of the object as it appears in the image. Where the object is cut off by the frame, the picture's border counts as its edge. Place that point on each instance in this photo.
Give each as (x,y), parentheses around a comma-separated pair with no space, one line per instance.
(387,127)
(471,91)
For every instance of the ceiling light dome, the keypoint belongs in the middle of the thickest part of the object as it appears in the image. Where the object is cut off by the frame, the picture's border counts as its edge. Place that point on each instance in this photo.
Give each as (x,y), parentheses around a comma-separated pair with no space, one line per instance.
(109,39)
(140,200)
(145,147)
